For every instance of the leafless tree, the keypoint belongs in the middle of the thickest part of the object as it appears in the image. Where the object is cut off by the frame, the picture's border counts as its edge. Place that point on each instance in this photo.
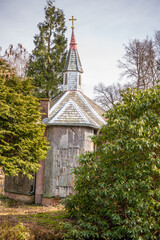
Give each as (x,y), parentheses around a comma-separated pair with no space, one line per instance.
(17,58)
(139,63)
(157,47)
(107,96)
(157,40)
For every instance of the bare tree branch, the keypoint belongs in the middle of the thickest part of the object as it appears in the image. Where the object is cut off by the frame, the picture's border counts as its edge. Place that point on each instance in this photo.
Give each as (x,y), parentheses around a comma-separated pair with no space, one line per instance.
(139,63)
(106,97)
(17,58)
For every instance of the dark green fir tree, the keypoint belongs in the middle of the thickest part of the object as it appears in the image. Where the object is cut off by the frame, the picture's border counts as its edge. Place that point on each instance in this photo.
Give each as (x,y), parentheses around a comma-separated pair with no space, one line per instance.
(48,57)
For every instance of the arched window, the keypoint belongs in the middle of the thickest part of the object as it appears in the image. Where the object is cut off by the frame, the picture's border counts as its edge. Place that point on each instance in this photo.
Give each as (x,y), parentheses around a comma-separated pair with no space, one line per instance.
(80,79)
(65,79)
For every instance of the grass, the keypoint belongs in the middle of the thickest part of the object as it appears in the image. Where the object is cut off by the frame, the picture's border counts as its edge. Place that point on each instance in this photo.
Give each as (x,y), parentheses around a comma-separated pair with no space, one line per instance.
(41,222)
(49,220)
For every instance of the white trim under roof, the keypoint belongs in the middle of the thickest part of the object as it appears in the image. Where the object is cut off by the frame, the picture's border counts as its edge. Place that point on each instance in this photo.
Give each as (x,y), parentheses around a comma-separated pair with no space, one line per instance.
(58,102)
(89,106)
(64,108)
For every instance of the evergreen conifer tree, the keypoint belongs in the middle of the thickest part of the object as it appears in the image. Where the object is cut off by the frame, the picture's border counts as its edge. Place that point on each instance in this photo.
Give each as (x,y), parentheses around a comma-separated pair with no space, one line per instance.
(22,141)
(48,57)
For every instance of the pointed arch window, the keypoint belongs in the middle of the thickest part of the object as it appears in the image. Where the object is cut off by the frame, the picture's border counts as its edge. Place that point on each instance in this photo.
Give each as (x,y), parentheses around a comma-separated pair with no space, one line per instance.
(80,79)
(65,80)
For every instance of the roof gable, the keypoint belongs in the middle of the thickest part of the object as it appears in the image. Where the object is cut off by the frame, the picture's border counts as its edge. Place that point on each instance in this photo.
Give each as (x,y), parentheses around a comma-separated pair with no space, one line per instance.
(74,108)
(70,113)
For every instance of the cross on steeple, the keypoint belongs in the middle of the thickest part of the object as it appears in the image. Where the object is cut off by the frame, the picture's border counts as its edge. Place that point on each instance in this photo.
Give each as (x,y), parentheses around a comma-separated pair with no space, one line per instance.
(72,19)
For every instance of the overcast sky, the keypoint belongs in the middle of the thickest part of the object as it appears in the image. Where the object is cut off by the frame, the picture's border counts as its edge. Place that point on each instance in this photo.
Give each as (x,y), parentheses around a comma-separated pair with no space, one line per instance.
(101,29)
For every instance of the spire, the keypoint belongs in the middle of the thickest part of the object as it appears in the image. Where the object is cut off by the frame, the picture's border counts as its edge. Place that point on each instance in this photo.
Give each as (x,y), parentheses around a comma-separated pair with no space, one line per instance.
(73,44)
(73,68)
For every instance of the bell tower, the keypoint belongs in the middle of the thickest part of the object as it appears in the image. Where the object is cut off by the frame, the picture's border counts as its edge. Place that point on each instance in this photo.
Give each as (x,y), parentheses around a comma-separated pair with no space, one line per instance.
(73,68)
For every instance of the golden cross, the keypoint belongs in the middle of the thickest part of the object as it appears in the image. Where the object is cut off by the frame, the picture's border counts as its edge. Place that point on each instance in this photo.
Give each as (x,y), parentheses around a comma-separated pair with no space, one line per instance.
(72,19)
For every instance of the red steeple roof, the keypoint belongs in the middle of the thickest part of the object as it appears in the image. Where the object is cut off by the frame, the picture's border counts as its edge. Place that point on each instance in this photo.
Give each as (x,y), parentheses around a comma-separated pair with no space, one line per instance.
(73,44)
(73,62)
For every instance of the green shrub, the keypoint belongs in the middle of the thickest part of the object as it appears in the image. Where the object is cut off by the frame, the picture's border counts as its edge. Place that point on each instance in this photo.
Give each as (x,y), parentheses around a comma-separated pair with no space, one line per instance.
(118,185)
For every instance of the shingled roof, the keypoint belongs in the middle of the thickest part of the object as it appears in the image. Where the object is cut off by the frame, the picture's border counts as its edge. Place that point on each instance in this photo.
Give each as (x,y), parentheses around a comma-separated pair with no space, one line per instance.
(73,62)
(74,108)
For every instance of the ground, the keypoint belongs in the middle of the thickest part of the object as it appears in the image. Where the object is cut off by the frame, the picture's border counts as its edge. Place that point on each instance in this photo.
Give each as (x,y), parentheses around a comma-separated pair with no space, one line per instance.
(41,222)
